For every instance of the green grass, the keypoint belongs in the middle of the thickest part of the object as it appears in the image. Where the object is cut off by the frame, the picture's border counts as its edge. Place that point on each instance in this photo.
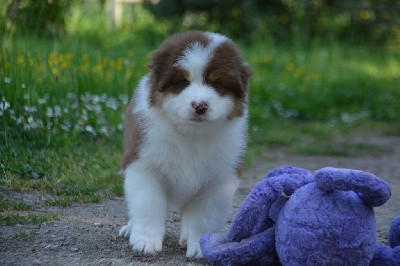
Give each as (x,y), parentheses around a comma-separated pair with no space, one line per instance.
(61,103)
(7,218)
(6,205)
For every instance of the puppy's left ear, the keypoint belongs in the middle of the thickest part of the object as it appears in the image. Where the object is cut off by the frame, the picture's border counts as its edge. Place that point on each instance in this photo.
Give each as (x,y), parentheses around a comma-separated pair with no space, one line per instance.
(246,70)
(245,74)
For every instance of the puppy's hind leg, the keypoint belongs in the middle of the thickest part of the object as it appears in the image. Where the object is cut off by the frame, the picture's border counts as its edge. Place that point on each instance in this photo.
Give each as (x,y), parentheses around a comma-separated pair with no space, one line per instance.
(147,209)
(206,214)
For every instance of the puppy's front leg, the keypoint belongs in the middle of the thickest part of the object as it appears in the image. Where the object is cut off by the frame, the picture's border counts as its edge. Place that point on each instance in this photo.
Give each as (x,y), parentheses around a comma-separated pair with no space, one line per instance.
(147,209)
(206,214)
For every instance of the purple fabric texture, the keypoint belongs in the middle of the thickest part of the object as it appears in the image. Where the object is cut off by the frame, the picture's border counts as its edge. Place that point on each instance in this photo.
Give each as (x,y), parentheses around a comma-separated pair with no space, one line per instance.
(298,218)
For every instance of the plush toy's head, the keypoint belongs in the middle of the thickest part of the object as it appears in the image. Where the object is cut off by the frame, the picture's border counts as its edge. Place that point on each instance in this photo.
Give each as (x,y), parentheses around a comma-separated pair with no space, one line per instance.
(331,221)
(303,219)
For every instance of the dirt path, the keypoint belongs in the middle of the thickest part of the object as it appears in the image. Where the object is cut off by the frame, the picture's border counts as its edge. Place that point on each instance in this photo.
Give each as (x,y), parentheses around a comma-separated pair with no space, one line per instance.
(87,234)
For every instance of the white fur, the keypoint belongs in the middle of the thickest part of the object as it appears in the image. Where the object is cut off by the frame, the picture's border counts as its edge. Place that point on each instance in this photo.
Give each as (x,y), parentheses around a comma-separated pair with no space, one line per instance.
(182,163)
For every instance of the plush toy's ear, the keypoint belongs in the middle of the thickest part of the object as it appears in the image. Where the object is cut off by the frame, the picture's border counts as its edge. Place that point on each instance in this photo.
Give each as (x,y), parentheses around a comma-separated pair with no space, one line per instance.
(373,190)
(251,235)
(253,215)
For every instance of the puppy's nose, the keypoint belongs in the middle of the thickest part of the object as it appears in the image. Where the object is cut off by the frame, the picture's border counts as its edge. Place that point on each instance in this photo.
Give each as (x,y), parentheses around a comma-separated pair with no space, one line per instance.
(200,107)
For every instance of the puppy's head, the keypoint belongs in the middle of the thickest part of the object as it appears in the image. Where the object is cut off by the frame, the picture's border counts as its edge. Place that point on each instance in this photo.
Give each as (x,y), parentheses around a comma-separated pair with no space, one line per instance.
(198,78)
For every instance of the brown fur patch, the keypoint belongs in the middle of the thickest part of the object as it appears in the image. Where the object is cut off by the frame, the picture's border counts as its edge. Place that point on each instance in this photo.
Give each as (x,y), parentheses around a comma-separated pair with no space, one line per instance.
(132,135)
(229,74)
(163,75)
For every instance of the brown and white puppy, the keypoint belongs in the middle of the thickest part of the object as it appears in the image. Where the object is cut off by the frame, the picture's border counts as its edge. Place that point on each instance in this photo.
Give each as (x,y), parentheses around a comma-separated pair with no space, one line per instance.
(184,140)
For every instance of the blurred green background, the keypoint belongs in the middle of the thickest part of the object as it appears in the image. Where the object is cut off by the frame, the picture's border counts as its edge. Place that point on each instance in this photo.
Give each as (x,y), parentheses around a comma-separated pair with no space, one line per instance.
(322,69)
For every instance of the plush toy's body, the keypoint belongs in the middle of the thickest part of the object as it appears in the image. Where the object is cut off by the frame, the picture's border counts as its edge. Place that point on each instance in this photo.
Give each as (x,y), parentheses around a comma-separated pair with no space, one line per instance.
(303,219)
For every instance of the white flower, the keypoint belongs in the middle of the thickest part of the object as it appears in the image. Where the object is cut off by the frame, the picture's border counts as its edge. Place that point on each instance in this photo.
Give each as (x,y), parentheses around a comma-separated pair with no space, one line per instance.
(104,130)
(23,86)
(49,112)
(124,99)
(7,80)
(4,105)
(30,109)
(84,115)
(66,126)
(42,100)
(57,111)
(95,98)
(112,103)
(71,95)
(90,129)
(20,119)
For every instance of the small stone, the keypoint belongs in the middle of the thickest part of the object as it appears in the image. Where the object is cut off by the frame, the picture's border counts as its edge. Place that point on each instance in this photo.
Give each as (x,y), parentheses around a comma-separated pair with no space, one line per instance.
(51,247)
(73,249)
(98,224)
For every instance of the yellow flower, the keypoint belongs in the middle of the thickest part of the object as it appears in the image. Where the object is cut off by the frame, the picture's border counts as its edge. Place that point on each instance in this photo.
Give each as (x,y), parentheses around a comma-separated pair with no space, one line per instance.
(290,67)
(69,56)
(315,77)
(267,58)
(21,60)
(283,19)
(84,68)
(108,76)
(236,12)
(299,71)
(365,14)
(85,58)
(64,65)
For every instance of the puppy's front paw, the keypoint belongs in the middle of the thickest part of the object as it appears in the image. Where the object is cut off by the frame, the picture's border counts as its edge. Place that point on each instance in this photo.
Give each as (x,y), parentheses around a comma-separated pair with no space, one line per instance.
(145,244)
(125,230)
(183,238)
(193,250)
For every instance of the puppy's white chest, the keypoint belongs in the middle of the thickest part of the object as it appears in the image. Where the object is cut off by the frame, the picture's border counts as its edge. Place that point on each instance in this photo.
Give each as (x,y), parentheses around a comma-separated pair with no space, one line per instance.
(187,165)
(186,168)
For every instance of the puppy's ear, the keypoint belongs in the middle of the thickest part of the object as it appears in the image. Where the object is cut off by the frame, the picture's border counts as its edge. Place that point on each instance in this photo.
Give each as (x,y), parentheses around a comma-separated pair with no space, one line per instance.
(245,74)
(246,70)
(158,66)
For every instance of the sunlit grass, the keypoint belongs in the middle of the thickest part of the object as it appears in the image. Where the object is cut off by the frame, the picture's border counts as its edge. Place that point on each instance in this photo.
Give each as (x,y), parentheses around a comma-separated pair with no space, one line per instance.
(324,82)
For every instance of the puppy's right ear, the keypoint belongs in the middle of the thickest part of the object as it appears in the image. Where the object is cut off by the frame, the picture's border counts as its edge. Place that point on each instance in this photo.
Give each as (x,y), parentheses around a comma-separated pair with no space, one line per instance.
(158,65)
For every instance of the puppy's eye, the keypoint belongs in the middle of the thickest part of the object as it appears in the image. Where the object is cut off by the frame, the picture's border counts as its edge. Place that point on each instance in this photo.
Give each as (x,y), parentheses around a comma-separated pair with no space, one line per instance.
(216,85)
(176,86)
(183,83)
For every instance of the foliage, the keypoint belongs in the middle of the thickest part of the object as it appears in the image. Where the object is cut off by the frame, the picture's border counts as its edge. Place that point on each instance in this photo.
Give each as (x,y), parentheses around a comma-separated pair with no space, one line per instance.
(287,20)
(43,17)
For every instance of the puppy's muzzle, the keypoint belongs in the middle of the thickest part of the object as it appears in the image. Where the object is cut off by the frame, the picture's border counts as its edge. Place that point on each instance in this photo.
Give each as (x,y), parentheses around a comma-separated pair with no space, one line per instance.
(200,107)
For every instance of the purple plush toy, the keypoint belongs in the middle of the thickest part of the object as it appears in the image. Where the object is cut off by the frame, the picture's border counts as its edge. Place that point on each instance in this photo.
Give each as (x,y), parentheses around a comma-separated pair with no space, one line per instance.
(297,218)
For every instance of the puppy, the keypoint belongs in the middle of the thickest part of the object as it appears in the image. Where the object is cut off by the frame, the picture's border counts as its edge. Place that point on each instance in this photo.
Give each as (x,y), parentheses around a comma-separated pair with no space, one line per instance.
(184,140)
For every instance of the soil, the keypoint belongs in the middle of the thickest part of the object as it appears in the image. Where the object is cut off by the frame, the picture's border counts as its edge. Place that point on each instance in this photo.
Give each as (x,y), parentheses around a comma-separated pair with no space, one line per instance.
(87,234)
